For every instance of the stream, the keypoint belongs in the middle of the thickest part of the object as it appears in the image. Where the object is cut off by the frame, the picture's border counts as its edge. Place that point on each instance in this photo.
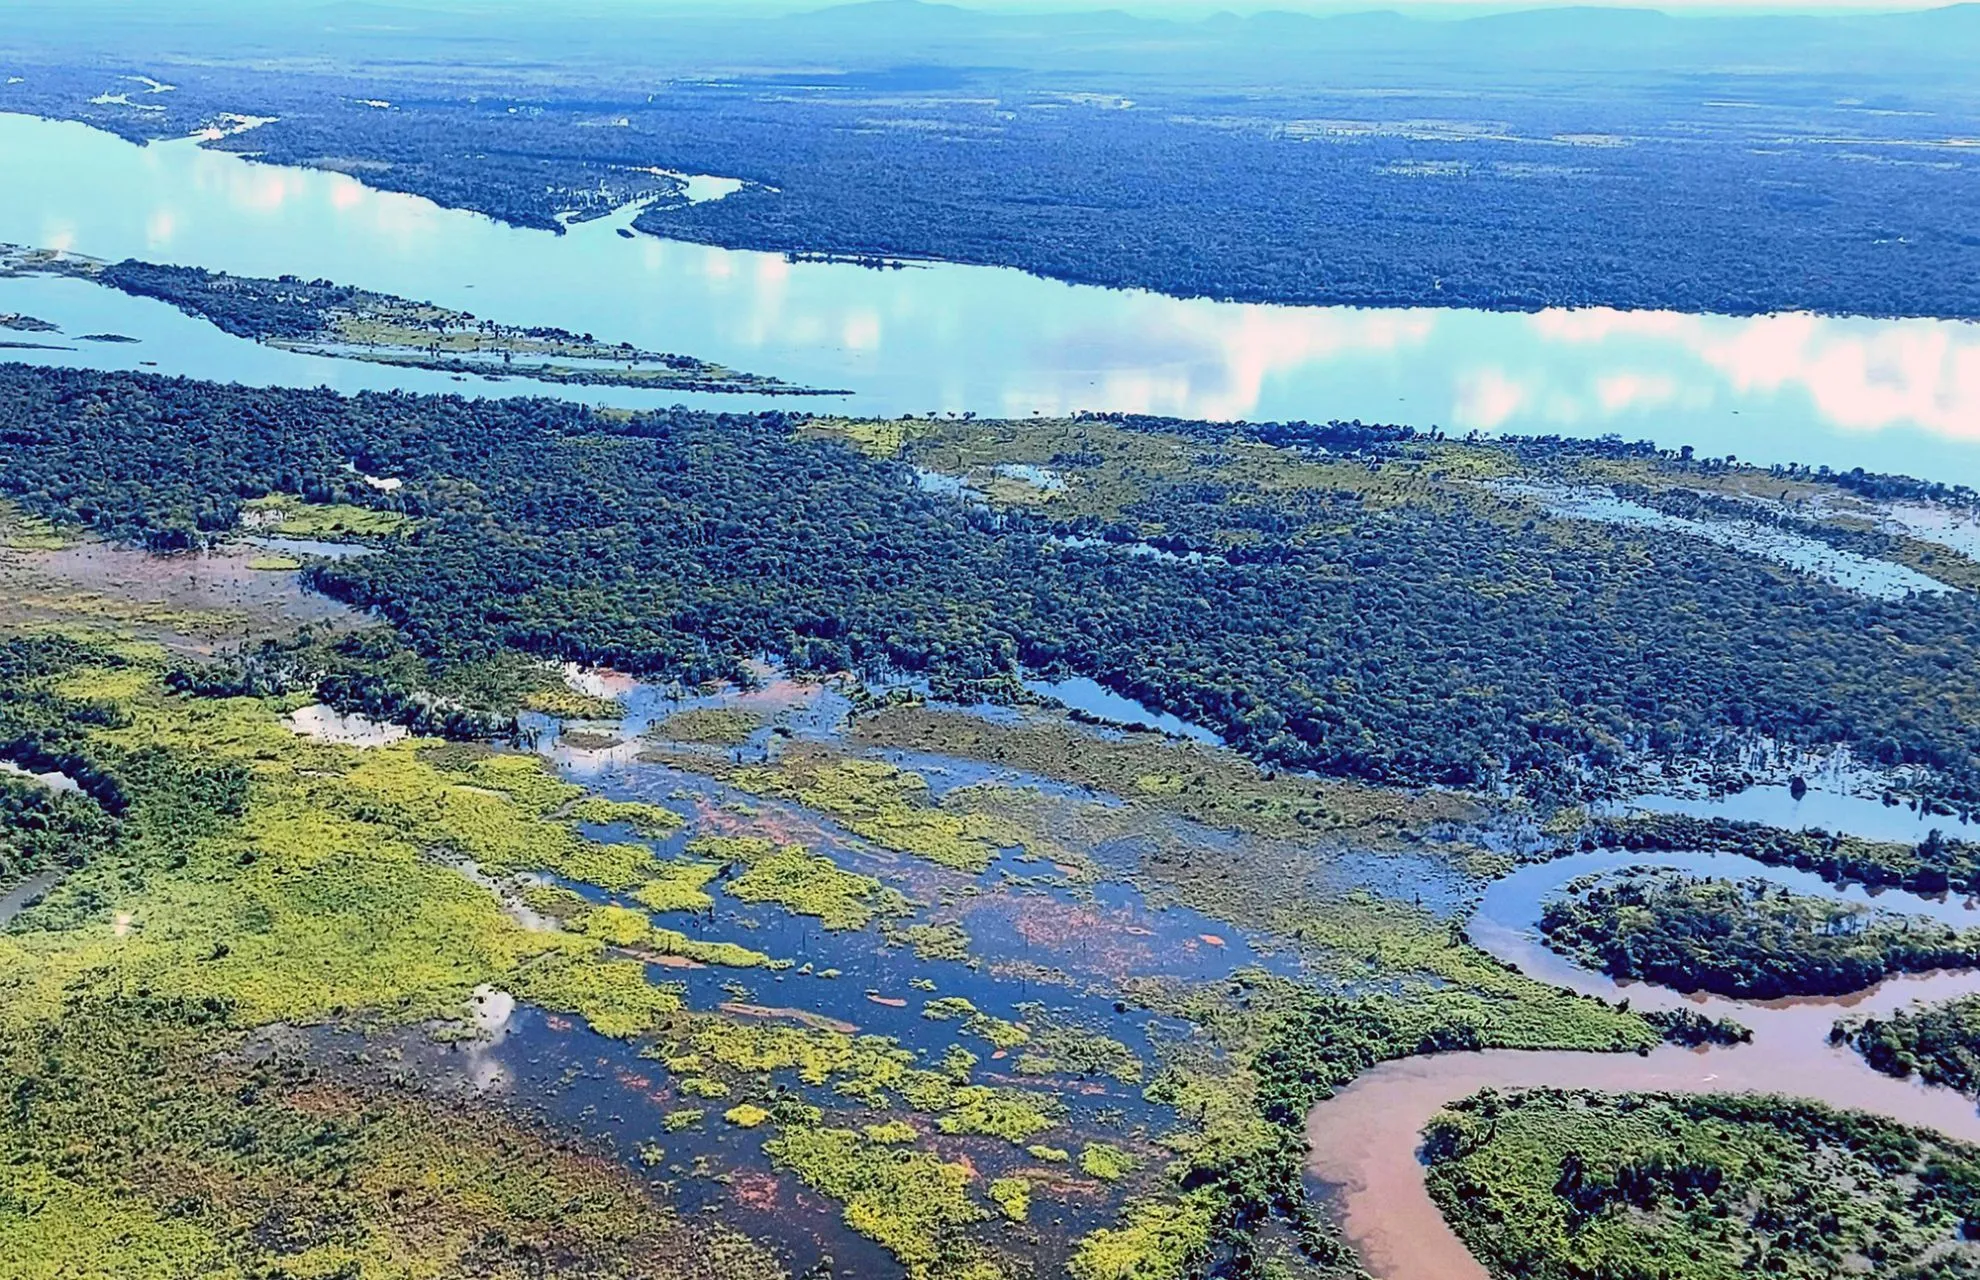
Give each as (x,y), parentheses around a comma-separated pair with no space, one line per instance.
(1365,1139)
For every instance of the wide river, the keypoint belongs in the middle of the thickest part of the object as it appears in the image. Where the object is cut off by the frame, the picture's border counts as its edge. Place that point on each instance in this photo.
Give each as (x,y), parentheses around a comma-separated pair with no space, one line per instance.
(1887,395)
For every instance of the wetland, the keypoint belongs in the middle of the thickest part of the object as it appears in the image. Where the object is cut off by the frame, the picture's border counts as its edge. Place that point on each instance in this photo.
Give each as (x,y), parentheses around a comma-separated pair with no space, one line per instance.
(848,836)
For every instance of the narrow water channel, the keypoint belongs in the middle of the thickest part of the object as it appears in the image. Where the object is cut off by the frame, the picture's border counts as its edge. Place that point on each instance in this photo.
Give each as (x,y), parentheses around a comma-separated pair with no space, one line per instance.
(1364,1141)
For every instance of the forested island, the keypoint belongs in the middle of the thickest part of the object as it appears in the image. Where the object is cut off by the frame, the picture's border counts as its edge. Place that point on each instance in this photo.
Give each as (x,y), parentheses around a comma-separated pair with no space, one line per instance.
(1747,939)
(1939,1043)
(322,318)
(1561,1185)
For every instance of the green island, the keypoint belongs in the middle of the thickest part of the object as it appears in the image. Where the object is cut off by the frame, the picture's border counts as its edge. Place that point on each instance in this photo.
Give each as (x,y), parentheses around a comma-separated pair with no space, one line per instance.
(321,318)
(1747,939)
(1562,1185)
(1939,1043)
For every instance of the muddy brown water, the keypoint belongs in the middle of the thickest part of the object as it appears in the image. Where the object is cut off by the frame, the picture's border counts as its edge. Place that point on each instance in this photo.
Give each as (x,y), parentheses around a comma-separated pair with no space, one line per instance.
(1364,1141)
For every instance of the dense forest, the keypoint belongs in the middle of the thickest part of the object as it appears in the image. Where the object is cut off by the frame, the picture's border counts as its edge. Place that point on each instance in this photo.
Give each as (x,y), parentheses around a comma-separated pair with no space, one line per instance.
(1319,198)
(1557,1185)
(1362,638)
(1747,939)
(1939,1043)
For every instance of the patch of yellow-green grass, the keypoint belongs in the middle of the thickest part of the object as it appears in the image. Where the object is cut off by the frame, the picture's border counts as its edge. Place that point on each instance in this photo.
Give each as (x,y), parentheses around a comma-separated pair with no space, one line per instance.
(21,532)
(650,821)
(915,1204)
(678,886)
(1012,1196)
(53,1229)
(1155,1240)
(708,726)
(565,703)
(802,883)
(746,1115)
(291,517)
(1105,1162)
(274,564)
(320,898)
(883,803)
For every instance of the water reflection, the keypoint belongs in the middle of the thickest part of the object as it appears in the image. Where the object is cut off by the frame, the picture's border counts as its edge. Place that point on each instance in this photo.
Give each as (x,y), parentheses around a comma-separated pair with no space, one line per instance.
(951,338)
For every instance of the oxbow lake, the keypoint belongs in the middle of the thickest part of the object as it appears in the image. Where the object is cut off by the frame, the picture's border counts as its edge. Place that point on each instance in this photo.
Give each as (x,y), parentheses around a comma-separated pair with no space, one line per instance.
(1888,395)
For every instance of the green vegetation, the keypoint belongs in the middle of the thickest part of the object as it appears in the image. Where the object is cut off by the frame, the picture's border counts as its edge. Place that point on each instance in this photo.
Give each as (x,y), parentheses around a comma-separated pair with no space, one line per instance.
(135,1150)
(1748,939)
(1107,1163)
(708,727)
(802,883)
(885,804)
(1934,865)
(914,1203)
(942,940)
(1012,1196)
(1000,1033)
(1368,613)
(293,518)
(649,821)
(1550,1185)
(1214,786)
(678,886)
(1940,1043)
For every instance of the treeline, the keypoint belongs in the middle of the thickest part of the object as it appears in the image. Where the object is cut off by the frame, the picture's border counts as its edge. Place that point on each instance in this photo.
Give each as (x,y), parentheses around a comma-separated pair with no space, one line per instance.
(1747,939)
(1939,1043)
(1934,865)
(288,307)
(1369,640)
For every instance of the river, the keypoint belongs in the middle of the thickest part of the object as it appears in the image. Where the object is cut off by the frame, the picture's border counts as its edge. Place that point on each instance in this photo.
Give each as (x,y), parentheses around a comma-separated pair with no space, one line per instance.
(1886,395)
(1364,1140)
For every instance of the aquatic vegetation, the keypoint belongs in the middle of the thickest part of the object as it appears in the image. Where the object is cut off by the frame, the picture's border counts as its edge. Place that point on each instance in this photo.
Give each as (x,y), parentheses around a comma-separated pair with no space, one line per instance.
(1748,939)
(1212,785)
(565,703)
(915,1204)
(708,726)
(883,803)
(150,1142)
(890,1131)
(650,821)
(1057,1047)
(1940,1043)
(614,996)
(274,564)
(1050,1155)
(1012,1196)
(1000,1033)
(1105,1162)
(802,883)
(678,886)
(746,1115)
(939,940)
(704,1087)
(1551,1185)
(685,1118)
(1011,1114)
(1156,1240)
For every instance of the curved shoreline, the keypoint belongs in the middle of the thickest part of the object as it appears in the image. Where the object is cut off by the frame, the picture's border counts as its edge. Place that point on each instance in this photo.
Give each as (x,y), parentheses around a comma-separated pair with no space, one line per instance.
(1363,1142)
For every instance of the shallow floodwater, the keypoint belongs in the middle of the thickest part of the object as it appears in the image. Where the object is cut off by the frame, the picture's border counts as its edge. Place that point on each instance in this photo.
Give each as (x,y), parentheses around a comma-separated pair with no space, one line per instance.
(1888,395)
(1364,1140)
